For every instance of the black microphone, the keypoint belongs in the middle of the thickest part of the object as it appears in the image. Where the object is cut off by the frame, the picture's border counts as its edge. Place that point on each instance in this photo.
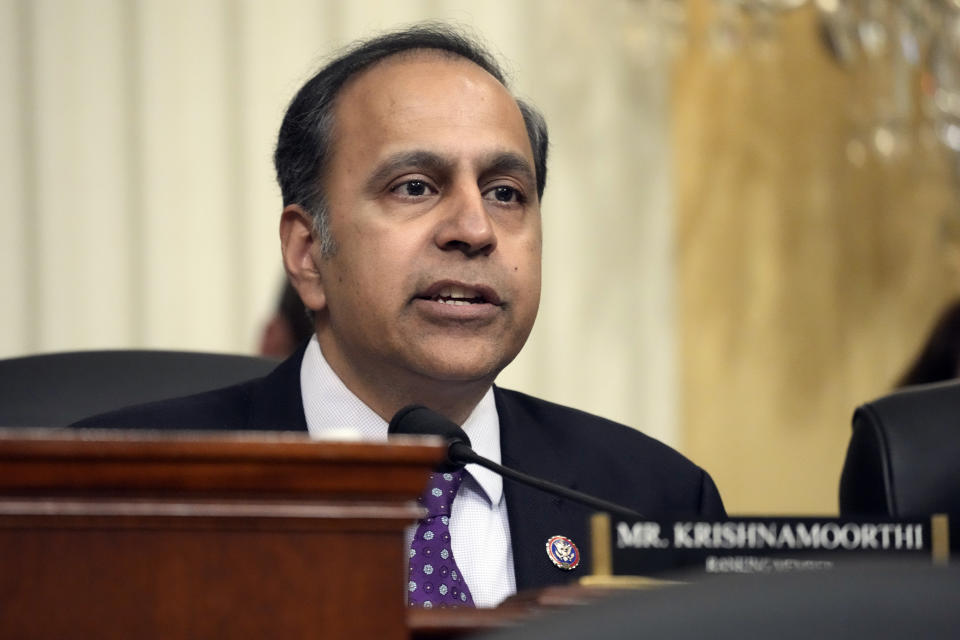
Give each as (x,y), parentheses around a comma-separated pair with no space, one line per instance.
(416,419)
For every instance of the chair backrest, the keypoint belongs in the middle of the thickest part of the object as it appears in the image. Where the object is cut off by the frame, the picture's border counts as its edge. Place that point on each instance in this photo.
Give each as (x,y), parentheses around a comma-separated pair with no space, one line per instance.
(904,455)
(56,389)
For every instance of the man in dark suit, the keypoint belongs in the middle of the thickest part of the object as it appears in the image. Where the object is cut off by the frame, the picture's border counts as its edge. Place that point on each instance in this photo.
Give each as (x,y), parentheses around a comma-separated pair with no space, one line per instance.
(412,180)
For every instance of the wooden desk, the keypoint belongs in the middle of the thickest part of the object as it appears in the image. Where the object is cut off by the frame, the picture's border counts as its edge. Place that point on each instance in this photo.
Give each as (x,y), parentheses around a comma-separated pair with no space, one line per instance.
(133,535)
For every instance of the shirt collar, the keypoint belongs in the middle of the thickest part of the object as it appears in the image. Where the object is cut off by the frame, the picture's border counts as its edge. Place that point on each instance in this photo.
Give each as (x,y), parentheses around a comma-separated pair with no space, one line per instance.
(483,427)
(334,412)
(331,409)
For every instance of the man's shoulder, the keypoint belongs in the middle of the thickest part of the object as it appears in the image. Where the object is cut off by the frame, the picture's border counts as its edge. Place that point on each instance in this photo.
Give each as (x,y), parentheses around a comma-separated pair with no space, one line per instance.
(556,421)
(604,457)
(273,402)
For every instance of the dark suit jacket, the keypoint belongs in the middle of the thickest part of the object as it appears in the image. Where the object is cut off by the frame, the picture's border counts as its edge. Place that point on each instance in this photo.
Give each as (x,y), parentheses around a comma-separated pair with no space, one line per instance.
(567,446)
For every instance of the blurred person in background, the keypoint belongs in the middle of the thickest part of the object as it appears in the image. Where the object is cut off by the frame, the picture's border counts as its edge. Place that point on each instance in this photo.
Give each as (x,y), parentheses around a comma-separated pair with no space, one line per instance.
(939,358)
(288,327)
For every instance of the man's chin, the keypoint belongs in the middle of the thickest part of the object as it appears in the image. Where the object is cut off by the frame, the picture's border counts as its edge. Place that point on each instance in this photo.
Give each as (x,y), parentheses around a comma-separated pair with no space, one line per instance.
(454,373)
(458,369)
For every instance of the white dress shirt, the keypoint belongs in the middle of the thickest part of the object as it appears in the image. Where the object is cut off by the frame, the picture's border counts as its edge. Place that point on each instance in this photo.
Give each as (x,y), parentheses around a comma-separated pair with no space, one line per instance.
(479,528)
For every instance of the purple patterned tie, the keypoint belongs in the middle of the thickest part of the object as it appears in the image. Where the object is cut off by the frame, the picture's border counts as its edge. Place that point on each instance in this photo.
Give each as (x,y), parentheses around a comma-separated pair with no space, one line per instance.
(435,579)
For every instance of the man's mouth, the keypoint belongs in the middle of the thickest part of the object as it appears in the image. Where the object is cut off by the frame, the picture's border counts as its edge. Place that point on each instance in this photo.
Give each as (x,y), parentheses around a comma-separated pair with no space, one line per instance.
(460,295)
(457,295)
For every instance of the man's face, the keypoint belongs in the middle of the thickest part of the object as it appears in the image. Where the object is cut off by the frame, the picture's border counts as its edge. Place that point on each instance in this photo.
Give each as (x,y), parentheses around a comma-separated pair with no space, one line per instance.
(433,207)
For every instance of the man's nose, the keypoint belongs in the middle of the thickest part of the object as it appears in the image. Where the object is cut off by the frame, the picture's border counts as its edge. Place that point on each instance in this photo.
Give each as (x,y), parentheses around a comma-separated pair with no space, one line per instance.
(466,225)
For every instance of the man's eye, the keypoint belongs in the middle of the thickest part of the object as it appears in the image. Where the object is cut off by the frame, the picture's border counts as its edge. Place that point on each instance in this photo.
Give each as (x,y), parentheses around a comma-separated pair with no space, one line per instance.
(413,189)
(507,195)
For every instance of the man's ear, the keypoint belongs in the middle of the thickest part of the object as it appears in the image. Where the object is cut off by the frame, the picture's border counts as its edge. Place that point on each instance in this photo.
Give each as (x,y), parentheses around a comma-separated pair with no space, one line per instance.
(301,252)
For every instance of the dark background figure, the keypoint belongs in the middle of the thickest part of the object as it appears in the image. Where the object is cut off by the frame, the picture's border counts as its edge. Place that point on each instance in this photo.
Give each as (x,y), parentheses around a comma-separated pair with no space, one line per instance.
(939,358)
(288,327)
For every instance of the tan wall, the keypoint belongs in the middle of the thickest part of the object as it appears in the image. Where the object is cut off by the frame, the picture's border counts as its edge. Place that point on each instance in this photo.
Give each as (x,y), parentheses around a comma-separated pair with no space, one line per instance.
(805,283)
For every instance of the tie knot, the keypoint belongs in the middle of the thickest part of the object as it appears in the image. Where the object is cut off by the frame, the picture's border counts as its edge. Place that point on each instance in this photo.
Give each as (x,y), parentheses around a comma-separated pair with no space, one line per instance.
(440,492)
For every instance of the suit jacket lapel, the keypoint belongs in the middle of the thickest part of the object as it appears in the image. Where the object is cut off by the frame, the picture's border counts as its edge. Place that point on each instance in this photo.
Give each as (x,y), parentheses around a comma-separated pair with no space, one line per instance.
(535,516)
(276,403)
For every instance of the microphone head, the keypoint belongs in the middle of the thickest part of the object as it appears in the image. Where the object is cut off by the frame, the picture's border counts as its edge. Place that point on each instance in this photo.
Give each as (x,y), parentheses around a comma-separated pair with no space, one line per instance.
(418,420)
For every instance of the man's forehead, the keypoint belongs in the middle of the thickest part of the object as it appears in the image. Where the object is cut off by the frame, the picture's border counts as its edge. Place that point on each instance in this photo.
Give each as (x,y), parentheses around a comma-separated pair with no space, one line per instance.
(374,81)
(406,99)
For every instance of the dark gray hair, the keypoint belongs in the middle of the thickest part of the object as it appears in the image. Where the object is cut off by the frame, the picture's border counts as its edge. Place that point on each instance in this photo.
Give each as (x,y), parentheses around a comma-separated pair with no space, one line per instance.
(303,146)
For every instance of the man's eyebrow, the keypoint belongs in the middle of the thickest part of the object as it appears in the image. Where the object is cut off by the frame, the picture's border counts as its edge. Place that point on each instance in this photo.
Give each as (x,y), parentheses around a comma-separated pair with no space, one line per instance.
(405,160)
(509,162)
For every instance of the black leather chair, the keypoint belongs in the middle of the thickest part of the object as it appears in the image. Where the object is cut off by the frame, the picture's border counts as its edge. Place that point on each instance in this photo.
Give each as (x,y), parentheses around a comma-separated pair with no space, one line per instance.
(56,389)
(904,455)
